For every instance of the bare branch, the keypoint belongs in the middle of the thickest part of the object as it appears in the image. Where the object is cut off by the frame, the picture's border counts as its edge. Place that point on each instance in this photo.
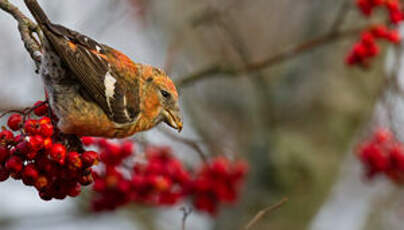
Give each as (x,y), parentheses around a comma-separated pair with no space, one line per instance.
(293,52)
(304,47)
(208,72)
(261,213)
(26,28)
(211,14)
(186,212)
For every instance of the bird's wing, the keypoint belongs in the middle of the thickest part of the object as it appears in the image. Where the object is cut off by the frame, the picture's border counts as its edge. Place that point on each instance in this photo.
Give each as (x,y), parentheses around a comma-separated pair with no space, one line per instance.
(86,59)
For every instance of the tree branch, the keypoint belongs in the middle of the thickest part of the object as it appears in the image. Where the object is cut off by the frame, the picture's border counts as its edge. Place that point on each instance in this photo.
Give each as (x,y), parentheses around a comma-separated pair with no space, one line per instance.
(26,27)
(211,14)
(293,52)
(185,214)
(261,213)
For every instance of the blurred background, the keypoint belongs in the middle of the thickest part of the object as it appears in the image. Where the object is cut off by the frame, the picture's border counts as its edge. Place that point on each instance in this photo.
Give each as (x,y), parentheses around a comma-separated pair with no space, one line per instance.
(263,80)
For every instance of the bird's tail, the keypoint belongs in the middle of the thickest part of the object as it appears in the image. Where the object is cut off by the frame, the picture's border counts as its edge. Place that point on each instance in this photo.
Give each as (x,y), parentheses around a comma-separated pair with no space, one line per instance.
(37,12)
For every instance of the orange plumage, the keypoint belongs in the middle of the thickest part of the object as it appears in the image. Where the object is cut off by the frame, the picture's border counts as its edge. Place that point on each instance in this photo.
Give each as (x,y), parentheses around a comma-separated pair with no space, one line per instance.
(96,90)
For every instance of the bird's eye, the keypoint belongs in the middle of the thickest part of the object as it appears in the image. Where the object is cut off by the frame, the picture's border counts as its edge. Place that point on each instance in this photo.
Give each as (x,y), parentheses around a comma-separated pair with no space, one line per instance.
(165,94)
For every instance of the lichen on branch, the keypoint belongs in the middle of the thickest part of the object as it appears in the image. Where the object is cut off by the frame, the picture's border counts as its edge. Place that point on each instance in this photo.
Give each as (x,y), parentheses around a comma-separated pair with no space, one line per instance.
(27,28)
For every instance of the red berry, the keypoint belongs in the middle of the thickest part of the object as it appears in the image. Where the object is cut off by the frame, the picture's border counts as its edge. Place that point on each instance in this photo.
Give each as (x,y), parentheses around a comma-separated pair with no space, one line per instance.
(58,153)
(6,136)
(225,193)
(48,143)
(102,142)
(240,169)
(45,120)
(396,17)
(379,31)
(41,108)
(99,185)
(74,191)
(378,2)
(206,203)
(373,50)
(46,129)
(58,192)
(86,180)
(127,149)
(220,166)
(124,186)
(394,36)
(19,138)
(30,174)
(4,154)
(161,183)
(14,121)
(74,161)
(16,176)
(31,155)
(382,136)
(23,147)
(360,50)
(138,181)
(351,59)
(88,141)
(41,183)
(45,196)
(31,127)
(4,173)
(44,164)
(14,164)
(393,5)
(368,39)
(365,7)
(36,142)
(89,158)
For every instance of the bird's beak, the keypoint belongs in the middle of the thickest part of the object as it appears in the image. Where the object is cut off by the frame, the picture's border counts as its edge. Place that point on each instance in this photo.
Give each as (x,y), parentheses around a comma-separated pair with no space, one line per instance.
(173,119)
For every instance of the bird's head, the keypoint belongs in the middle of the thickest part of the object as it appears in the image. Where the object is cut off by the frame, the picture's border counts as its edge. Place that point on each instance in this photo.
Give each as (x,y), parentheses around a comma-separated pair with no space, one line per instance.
(161,99)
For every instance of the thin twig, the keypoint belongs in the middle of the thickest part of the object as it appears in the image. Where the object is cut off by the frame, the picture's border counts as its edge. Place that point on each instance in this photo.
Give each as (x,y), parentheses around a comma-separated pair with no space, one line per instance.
(186,212)
(189,142)
(293,52)
(27,111)
(11,111)
(211,14)
(261,213)
(26,28)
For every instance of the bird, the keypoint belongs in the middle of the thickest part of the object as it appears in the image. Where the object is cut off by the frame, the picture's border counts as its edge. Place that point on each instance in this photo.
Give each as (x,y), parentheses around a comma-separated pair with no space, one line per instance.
(95,90)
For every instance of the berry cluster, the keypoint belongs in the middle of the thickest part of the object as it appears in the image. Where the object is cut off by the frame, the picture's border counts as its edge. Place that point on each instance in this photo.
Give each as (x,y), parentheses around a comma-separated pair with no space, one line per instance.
(36,152)
(160,179)
(367,6)
(383,155)
(366,47)
(217,182)
(393,7)
(33,150)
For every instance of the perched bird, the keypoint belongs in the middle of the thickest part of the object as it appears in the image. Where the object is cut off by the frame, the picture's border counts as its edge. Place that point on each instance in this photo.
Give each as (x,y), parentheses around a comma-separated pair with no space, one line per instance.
(95,90)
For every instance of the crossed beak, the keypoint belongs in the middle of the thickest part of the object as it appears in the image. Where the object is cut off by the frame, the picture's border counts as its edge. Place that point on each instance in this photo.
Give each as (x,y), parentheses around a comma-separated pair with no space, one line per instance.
(173,119)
